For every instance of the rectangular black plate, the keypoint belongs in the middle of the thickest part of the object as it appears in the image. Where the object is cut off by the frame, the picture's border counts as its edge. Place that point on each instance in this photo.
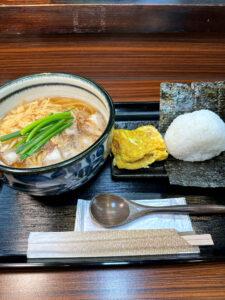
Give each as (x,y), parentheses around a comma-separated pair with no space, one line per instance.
(131,116)
(21,213)
(156,170)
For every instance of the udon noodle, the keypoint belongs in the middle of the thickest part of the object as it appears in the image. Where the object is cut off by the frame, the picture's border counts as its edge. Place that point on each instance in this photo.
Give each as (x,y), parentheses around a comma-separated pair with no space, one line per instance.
(88,126)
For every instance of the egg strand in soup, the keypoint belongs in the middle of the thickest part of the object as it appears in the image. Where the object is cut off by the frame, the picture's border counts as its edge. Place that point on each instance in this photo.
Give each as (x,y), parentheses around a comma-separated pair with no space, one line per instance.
(88,125)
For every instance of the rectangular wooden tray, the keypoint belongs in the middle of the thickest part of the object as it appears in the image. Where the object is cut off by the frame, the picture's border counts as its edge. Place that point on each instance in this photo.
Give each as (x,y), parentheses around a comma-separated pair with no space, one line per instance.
(21,213)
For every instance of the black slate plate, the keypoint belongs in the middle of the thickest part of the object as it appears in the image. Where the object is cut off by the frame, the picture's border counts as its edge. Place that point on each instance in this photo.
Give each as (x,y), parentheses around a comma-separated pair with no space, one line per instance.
(139,115)
(156,170)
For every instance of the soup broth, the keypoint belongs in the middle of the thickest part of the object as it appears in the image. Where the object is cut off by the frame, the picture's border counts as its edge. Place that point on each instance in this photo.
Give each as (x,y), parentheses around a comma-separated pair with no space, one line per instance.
(88,126)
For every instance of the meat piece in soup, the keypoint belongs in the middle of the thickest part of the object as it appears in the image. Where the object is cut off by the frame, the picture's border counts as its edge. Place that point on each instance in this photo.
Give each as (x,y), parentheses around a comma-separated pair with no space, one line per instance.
(88,125)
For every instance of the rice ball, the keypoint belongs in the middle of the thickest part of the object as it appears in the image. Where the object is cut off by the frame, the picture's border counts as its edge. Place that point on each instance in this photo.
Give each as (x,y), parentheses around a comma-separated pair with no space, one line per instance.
(196,136)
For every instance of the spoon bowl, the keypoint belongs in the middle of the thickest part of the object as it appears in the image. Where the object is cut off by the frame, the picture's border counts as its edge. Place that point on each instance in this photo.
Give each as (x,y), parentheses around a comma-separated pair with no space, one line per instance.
(111,210)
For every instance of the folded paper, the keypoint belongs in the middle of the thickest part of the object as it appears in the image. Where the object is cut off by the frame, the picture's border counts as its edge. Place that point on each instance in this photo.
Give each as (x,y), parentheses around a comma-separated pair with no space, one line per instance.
(180,222)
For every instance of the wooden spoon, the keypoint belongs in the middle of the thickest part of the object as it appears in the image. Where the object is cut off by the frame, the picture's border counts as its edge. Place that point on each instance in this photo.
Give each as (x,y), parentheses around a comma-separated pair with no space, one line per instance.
(112,210)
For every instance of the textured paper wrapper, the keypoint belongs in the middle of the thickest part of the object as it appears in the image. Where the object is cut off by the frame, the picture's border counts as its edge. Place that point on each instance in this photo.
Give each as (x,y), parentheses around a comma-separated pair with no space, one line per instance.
(107,243)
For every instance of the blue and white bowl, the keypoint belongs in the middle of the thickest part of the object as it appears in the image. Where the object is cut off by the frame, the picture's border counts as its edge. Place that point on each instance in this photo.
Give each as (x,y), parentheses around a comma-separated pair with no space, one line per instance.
(74,172)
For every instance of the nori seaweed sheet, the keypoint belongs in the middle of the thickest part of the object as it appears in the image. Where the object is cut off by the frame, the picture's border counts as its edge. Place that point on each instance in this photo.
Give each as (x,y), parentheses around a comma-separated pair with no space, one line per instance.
(175,99)
(178,98)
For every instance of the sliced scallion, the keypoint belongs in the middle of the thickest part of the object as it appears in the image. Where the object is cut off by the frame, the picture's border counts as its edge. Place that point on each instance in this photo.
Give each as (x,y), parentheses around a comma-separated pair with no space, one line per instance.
(42,136)
(45,140)
(58,116)
(10,136)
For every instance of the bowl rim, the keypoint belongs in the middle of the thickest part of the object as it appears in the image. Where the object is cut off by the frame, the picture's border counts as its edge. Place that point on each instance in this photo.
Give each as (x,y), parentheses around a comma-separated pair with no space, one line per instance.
(81,155)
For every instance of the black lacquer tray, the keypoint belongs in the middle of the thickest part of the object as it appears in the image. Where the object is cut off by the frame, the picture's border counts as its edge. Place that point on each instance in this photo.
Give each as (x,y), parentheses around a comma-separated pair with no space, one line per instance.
(21,213)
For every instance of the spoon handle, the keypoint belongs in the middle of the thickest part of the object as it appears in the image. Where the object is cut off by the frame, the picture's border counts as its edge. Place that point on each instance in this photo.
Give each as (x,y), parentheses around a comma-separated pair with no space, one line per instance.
(190,209)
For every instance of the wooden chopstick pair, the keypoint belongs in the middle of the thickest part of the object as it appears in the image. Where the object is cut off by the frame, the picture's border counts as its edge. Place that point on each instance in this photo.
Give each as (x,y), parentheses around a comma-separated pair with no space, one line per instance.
(113,243)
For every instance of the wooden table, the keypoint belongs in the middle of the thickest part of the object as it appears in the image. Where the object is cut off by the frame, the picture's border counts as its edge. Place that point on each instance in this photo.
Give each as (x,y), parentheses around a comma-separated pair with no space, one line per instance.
(130,67)
(193,281)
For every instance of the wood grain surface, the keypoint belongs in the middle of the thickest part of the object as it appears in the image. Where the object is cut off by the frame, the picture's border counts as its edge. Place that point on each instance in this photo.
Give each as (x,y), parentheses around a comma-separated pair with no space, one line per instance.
(140,16)
(194,281)
(130,67)
(67,2)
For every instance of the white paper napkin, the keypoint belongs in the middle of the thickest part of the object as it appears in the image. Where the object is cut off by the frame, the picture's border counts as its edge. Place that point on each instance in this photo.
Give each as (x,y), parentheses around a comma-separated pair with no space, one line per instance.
(179,222)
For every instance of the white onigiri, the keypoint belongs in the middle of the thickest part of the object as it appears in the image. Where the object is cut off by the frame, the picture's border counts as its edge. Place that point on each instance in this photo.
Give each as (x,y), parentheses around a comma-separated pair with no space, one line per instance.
(196,136)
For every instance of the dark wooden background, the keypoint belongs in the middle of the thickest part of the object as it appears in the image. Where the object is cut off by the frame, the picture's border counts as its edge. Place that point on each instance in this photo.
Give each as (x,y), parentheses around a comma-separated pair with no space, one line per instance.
(111,16)
(130,66)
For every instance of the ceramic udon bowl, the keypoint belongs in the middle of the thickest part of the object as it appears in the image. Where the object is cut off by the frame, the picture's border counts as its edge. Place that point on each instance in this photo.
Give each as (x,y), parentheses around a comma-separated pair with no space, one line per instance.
(74,172)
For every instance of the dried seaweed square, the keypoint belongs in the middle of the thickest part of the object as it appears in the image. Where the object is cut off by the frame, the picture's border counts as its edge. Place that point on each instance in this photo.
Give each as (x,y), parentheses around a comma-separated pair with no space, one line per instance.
(178,98)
